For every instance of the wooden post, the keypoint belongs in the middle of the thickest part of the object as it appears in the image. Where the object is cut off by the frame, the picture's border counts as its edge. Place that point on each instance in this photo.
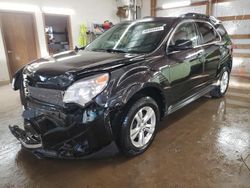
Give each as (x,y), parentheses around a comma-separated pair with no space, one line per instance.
(153,7)
(209,8)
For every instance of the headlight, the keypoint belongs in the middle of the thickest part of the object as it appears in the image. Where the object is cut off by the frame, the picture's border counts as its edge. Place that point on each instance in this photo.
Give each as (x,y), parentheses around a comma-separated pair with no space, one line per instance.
(86,89)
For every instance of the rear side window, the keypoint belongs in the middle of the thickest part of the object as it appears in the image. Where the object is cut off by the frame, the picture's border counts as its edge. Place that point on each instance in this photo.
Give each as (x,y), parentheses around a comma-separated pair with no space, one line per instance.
(208,33)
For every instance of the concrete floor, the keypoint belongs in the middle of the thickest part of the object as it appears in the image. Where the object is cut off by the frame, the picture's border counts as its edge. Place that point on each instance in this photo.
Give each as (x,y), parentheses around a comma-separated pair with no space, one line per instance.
(206,144)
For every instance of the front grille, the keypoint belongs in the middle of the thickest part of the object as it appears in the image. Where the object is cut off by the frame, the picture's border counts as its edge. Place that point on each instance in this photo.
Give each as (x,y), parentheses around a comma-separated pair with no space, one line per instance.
(51,96)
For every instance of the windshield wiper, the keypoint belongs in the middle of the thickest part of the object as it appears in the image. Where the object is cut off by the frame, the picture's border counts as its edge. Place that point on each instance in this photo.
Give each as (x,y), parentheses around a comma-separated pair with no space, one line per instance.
(115,50)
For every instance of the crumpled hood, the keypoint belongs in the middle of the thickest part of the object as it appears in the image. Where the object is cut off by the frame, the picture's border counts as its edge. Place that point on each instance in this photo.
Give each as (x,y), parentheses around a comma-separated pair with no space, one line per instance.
(63,68)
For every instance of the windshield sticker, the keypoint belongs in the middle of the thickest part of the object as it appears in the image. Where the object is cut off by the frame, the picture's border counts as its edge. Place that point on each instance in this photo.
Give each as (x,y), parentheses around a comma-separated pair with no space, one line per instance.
(154,29)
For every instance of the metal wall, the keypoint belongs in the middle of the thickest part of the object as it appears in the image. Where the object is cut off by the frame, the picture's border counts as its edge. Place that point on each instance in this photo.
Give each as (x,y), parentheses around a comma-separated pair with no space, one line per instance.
(238,27)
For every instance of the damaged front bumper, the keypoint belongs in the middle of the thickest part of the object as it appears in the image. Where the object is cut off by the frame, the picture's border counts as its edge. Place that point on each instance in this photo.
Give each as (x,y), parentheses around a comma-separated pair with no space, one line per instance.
(74,132)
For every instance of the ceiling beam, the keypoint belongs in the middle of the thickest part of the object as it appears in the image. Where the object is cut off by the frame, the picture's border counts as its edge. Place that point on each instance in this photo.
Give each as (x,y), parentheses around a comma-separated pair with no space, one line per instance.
(221,1)
(241,55)
(242,46)
(209,8)
(240,36)
(233,18)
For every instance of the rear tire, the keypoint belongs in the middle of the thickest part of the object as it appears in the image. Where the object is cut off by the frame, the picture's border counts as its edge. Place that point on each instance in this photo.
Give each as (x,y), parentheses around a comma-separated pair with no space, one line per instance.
(221,89)
(139,126)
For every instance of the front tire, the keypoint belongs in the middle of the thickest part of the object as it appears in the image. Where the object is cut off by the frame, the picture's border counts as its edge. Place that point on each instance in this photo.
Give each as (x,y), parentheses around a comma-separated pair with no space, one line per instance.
(221,89)
(139,126)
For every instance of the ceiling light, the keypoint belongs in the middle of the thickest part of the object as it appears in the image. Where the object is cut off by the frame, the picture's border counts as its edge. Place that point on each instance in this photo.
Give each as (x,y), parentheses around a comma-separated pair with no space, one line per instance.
(18,7)
(176,4)
(53,10)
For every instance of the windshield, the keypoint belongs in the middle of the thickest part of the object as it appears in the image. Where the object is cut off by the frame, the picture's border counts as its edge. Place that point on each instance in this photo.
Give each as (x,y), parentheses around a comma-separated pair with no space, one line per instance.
(133,37)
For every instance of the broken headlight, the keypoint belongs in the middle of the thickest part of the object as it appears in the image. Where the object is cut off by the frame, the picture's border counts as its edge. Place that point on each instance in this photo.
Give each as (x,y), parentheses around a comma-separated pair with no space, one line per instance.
(84,90)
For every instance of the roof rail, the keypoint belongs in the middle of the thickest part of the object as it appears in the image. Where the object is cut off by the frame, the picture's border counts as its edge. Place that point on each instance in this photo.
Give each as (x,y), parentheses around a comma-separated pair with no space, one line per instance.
(194,15)
(201,16)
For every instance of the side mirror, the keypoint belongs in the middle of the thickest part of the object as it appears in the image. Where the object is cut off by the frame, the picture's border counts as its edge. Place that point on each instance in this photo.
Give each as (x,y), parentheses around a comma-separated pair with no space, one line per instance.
(181,44)
(77,49)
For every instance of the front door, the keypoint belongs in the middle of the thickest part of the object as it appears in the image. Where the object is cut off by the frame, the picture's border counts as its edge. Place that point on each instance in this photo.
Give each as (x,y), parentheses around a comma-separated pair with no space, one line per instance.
(20,39)
(186,65)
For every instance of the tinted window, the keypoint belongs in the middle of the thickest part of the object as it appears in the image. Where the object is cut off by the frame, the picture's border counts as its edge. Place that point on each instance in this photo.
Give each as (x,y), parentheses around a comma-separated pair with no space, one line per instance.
(208,33)
(185,31)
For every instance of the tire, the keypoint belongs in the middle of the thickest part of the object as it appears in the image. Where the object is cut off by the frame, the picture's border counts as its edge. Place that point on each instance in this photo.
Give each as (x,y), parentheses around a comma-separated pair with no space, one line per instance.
(136,133)
(221,89)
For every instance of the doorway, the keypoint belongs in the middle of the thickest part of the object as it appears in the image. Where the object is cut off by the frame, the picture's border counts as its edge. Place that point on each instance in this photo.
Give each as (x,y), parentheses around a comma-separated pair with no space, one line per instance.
(57,33)
(20,39)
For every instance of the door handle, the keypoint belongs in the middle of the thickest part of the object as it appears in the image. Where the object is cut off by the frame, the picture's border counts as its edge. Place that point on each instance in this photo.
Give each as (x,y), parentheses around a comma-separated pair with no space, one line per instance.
(10,52)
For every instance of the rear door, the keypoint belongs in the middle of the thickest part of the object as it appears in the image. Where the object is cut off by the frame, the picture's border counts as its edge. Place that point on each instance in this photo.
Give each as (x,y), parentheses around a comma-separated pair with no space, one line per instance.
(185,66)
(210,41)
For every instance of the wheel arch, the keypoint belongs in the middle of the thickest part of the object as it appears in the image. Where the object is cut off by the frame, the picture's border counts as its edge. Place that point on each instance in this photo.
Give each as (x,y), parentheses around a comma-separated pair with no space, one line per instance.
(130,95)
(137,91)
(228,64)
(155,93)
(150,90)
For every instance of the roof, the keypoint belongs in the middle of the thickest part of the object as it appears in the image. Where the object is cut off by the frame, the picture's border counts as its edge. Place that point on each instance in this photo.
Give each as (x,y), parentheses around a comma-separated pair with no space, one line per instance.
(187,16)
(174,19)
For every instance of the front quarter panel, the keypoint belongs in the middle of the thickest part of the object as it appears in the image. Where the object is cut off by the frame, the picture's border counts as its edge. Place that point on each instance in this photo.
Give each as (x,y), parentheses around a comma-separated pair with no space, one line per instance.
(126,82)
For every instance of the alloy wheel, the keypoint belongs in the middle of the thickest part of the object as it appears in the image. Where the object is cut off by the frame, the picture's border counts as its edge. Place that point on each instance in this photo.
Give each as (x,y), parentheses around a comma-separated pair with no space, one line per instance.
(143,126)
(224,82)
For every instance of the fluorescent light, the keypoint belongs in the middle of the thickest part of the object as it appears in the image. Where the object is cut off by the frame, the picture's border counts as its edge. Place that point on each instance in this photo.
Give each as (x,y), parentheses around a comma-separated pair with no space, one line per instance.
(32,8)
(53,10)
(176,4)
(18,7)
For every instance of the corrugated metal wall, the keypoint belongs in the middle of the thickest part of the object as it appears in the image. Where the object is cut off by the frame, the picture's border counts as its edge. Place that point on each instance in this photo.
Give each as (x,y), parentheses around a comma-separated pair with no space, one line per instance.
(235,15)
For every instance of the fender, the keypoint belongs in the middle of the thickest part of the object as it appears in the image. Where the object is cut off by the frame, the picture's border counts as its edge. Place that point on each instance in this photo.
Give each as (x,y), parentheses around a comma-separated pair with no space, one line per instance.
(133,81)
(133,90)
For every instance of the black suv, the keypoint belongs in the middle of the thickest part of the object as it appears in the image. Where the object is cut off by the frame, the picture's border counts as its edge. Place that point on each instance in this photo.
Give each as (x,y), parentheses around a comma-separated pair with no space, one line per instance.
(118,88)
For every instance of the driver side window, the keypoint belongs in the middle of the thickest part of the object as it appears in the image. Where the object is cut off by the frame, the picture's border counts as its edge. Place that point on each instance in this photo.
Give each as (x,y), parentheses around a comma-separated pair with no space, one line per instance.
(185,31)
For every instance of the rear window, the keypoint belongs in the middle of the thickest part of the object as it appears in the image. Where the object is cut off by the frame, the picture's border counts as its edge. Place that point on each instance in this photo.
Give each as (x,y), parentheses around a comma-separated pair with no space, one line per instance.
(208,33)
